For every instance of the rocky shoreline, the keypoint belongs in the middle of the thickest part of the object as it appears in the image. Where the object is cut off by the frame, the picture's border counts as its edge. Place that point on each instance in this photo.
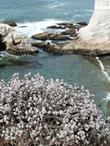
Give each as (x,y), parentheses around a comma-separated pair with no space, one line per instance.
(72,41)
(53,41)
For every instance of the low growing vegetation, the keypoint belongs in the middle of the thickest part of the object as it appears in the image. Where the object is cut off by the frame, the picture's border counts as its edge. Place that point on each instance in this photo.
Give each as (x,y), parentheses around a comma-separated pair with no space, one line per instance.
(39,112)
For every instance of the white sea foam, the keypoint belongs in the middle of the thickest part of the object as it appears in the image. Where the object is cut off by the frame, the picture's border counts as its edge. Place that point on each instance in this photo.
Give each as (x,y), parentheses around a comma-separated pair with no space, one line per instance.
(4,54)
(103,68)
(56,5)
(30,28)
(105,73)
(81,10)
(75,16)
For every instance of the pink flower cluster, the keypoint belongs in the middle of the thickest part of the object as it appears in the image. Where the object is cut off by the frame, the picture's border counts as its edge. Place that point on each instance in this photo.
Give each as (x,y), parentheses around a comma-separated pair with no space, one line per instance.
(39,112)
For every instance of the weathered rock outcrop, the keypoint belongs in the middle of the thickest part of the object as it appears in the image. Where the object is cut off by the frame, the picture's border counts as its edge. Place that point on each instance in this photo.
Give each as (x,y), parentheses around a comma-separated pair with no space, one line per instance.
(22,48)
(13,46)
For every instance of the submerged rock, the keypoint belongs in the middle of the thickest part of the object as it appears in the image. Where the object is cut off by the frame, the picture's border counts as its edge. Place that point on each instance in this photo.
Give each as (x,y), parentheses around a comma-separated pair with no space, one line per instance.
(10,23)
(70,32)
(72,25)
(66,24)
(56,27)
(82,23)
(50,36)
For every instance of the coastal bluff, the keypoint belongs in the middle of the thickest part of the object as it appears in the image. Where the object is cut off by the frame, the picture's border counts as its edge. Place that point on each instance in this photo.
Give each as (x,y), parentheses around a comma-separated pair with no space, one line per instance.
(94,39)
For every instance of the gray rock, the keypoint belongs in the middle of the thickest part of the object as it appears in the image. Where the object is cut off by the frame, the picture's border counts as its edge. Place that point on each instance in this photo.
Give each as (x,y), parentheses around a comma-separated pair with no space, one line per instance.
(56,27)
(10,23)
(65,24)
(50,36)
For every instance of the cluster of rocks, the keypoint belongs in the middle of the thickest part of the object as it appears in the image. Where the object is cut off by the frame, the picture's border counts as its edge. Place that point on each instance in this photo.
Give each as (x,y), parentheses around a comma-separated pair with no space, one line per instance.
(10,43)
(51,41)
(50,36)
(58,39)
(68,32)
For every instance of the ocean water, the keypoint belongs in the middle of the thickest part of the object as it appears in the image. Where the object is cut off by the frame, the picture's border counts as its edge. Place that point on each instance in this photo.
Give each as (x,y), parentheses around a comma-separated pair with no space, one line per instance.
(36,15)
(38,10)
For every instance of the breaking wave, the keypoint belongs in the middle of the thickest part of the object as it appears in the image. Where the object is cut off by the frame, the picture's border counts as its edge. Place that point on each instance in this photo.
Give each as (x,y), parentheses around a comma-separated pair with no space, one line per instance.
(105,73)
(30,28)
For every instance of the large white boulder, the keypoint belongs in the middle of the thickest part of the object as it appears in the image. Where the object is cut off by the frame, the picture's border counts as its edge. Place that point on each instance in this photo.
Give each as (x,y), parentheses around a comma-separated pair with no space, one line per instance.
(5,29)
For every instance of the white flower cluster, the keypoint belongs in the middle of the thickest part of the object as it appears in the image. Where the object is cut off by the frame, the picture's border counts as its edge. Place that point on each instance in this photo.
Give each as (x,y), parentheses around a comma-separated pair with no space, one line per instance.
(39,112)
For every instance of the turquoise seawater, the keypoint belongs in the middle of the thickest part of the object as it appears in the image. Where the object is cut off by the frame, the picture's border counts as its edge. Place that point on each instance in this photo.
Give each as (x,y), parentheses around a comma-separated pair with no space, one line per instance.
(74,69)
(38,10)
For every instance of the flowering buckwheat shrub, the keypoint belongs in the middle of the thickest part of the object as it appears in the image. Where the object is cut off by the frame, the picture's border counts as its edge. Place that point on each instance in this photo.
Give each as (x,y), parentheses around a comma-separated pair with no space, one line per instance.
(39,112)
